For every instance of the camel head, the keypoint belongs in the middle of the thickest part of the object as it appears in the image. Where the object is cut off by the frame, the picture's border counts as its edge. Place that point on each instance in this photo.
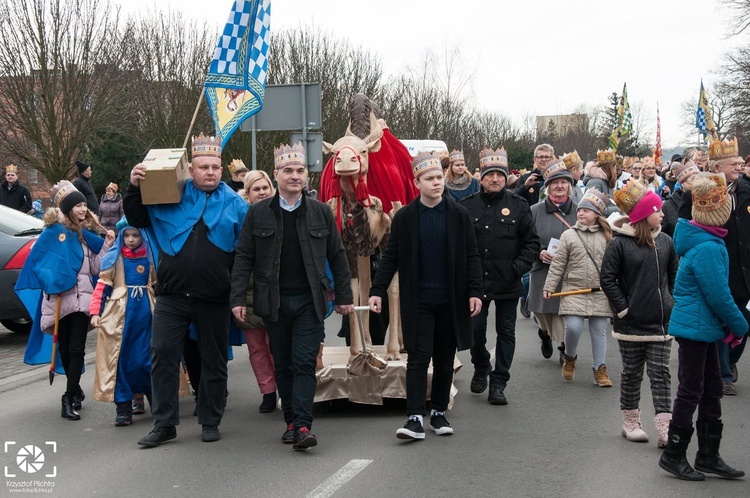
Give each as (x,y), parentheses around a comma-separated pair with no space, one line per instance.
(351,153)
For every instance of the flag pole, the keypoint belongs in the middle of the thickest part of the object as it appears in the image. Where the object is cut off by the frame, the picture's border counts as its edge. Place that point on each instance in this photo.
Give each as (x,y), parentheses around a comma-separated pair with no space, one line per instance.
(195,115)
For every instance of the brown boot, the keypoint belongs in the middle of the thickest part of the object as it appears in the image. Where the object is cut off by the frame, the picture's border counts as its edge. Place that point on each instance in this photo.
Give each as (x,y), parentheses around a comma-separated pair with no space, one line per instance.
(601,378)
(569,367)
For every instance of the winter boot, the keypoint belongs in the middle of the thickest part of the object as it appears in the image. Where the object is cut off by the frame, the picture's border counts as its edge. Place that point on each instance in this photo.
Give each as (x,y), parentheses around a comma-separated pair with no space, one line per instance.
(569,367)
(67,408)
(269,403)
(546,344)
(708,459)
(561,350)
(673,459)
(632,429)
(662,428)
(601,378)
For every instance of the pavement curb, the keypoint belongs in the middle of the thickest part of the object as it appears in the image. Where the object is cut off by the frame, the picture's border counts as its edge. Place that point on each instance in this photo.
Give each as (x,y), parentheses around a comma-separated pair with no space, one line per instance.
(42,372)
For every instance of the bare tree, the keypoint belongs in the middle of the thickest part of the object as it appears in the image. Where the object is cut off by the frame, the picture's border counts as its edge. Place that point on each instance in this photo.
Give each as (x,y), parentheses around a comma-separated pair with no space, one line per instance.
(60,80)
(740,18)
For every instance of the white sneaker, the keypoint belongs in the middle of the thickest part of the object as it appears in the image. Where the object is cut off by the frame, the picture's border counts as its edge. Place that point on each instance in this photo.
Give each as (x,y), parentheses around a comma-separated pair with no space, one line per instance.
(632,429)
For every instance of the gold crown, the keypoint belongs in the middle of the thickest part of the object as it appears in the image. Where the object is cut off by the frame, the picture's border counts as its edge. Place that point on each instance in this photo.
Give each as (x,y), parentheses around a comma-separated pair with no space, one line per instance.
(556,168)
(648,161)
(456,155)
(721,149)
(628,161)
(571,159)
(204,146)
(60,190)
(628,196)
(683,171)
(236,165)
(605,156)
(11,168)
(709,192)
(596,198)
(287,155)
(489,157)
(425,161)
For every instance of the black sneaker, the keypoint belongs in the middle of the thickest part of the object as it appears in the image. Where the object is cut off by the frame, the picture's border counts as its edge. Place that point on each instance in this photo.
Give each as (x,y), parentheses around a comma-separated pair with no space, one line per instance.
(439,425)
(304,439)
(124,414)
(210,434)
(497,396)
(546,344)
(411,430)
(479,380)
(139,406)
(157,436)
(288,436)
(269,403)
(78,399)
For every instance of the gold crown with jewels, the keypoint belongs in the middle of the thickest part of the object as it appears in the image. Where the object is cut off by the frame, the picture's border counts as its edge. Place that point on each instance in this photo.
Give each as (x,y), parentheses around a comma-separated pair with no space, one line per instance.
(287,155)
(721,149)
(206,146)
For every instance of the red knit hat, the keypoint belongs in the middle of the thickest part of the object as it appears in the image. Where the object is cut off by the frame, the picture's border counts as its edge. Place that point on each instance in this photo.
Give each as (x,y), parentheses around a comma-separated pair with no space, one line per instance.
(650,203)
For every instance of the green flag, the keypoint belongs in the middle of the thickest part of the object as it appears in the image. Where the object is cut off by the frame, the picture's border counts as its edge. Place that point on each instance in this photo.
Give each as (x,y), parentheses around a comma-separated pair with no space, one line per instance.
(624,122)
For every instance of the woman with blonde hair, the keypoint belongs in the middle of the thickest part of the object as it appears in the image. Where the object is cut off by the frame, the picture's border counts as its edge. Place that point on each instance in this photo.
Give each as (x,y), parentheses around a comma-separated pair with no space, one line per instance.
(650,179)
(257,187)
(458,182)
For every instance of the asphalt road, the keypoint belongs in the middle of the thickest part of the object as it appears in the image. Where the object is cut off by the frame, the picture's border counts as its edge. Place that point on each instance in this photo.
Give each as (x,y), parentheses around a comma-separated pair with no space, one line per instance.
(553,439)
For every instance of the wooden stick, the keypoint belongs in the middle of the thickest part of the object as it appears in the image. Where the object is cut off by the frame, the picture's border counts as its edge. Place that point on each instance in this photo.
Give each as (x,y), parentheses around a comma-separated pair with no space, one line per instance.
(195,115)
(574,292)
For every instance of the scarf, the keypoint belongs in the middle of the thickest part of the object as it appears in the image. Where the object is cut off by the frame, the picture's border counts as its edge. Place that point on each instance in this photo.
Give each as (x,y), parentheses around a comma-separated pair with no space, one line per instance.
(461,183)
(717,231)
(558,201)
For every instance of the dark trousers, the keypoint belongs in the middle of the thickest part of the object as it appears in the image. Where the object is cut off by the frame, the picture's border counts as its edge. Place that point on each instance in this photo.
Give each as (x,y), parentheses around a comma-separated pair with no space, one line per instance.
(730,356)
(436,339)
(700,383)
(173,315)
(295,340)
(71,338)
(505,327)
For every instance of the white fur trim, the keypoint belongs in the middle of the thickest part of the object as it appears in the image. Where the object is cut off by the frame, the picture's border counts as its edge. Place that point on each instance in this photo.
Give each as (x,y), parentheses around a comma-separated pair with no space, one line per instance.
(641,338)
(622,313)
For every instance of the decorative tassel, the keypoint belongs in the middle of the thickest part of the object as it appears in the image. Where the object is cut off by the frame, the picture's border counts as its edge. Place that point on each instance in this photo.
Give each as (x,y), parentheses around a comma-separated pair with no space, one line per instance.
(361,193)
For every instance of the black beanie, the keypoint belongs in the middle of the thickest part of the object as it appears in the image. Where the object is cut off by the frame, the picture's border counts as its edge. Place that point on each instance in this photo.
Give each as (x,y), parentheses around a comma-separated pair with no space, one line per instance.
(82,166)
(70,200)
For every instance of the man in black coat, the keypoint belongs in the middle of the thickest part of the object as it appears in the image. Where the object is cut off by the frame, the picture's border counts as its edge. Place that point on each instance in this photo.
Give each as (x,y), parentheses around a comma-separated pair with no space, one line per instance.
(508,244)
(531,183)
(82,183)
(12,193)
(724,158)
(433,247)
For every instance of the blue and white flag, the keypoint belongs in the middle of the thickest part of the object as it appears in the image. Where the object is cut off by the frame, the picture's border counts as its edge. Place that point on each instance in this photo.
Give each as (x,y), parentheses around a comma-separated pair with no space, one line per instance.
(236,80)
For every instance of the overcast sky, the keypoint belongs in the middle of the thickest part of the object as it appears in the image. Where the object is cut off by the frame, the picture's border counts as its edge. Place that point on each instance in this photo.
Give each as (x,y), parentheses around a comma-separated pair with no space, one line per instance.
(529,57)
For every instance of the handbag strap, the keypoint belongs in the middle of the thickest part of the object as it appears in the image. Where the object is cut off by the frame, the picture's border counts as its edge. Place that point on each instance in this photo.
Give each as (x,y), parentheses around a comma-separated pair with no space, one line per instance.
(587,251)
(562,219)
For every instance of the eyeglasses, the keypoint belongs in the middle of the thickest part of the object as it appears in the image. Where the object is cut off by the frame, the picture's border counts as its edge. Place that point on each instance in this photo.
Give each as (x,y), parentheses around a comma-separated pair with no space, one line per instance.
(542,157)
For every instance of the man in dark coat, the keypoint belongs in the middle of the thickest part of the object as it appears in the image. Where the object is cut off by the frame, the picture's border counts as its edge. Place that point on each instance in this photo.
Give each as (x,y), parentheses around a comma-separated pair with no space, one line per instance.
(724,158)
(531,183)
(284,245)
(508,244)
(82,183)
(12,193)
(433,247)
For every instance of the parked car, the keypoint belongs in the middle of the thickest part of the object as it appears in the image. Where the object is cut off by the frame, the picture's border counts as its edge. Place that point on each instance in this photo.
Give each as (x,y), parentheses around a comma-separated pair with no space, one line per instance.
(18,232)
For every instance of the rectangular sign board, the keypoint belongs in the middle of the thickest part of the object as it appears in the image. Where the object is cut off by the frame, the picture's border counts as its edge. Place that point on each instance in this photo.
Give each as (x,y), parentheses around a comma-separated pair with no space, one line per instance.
(314,150)
(282,109)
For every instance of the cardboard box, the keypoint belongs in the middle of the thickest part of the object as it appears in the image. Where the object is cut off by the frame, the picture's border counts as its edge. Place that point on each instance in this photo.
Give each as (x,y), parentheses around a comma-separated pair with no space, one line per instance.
(166,173)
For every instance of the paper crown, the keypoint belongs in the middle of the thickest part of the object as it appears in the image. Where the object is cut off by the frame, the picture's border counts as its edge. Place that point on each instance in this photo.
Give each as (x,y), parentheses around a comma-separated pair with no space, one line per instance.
(287,155)
(11,168)
(628,161)
(456,155)
(236,166)
(594,199)
(113,186)
(571,159)
(204,146)
(628,196)
(557,169)
(711,202)
(684,171)
(489,157)
(700,156)
(424,162)
(60,190)
(721,149)
(605,156)
(648,161)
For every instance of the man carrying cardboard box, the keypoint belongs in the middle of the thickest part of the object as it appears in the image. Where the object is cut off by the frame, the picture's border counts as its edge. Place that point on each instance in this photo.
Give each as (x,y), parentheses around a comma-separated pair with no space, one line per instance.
(196,239)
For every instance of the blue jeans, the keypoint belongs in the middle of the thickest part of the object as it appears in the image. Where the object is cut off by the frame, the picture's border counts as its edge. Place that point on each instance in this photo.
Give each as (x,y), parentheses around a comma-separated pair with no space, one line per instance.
(295,341)
(597,331)
(729,355)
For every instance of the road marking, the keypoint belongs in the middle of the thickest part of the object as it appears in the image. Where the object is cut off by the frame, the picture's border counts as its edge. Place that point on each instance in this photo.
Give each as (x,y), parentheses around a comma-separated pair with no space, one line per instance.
(337,480)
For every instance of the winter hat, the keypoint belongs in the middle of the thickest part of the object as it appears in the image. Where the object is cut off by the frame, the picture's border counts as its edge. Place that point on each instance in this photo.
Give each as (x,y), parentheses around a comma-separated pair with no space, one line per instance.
(595,201)
(81,166)
(66,196)
(711,203)
(683,172)
(637,201)
(424,162)
(493,160)
(557,169)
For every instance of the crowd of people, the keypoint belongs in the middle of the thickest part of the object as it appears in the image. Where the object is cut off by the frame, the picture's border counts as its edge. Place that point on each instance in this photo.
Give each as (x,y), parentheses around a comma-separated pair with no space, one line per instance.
(656,252)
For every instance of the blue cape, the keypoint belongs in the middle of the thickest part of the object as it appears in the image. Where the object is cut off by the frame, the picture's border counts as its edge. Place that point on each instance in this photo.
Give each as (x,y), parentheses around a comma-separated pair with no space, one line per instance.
(51,267)
(172,223)
(109,259)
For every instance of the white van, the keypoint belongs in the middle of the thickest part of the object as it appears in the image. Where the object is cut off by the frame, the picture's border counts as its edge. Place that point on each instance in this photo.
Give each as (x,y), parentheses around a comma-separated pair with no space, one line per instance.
(417,146)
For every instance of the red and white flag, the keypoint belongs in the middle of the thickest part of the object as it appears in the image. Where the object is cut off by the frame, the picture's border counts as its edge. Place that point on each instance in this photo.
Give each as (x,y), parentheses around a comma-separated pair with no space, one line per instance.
(657,147)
